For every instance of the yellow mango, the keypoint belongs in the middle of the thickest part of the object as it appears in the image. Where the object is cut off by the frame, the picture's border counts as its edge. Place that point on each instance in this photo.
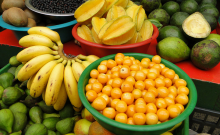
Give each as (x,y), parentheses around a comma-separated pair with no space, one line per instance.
(139,38)
(89,9)
(122,3)
(104,28)
(140,18)
(97,23)
(95,37)
(146,30)
(115,12)
(85,33)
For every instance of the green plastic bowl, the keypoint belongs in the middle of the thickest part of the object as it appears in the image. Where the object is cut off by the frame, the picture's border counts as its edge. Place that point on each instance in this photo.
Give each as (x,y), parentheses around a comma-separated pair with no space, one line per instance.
(126,129)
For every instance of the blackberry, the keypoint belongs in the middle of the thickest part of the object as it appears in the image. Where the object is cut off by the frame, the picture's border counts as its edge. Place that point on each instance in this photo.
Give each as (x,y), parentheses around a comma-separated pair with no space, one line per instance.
(57,6)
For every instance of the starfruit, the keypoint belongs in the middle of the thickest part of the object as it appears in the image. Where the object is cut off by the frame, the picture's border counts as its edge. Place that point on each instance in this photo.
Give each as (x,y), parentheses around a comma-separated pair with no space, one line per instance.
(115,12)
(130,3)
(89,9)
(97,23)
(85,33)
(95,37)
(146,30)
(135,39)
(139,37)
(104,28)
(109,4)
(120,31)
(122,3)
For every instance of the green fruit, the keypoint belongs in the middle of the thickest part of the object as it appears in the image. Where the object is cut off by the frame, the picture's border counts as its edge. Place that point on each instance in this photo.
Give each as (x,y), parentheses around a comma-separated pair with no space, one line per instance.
(205,54)
(36,129)
(18,107)
(6,79)
(12,70)
(1,92)
(214,2)
(189,6)
(20,121)
(6,120)
(65,126)
(46,115)
(17,70)
(205,5)
(27,91)
(30,101)
(16,133)
(50,132)
(3,106)
(45,108)
(161,15)
(67,111)
(156,23)
(14,62)
(150,5)
(178,18)
(26,128)
(11,95)
(58,133)
(171,7)
(211,20)
(171,31)
(173,49)
(214,37)
(51,122)
(36,114)
(211,11)
(2,132)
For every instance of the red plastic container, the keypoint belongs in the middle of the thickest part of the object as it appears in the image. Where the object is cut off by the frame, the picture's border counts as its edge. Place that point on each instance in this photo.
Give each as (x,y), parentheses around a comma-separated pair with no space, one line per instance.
(104,50)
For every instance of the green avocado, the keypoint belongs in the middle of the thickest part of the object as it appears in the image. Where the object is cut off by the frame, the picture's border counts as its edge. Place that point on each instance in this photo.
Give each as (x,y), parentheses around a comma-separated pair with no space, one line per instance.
(205,54)
(214,2)
(171,7)
(205,5)
(50,132)
(67,111)
(189,6)
(6,120)
(150,5)
(45,108)
(161,15)
(211,11)
(20,121)
(173,49)
(18,107)
(11,95)
(213,22)
(12,70)
(51,122)
(36,129)
(36,114)
(6,79)
(214,37)
(65,126)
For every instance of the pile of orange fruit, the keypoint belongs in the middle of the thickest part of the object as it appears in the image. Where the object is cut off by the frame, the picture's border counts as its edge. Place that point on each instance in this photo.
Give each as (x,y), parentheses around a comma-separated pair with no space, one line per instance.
(138,92)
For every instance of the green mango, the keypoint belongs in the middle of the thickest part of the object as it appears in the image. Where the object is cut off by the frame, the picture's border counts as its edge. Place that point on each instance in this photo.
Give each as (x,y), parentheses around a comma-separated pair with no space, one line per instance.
(65,126)
(11,95)
(1,92)
(17,70)
(37,129)
(20,121)
(3,106)
(45,108)
(14,62)
(16,133)
(51,122)
(12,70)
(6,79)
(36,114)
(50,132)
(2,132)
(47,115)
(18,107)
(6,120)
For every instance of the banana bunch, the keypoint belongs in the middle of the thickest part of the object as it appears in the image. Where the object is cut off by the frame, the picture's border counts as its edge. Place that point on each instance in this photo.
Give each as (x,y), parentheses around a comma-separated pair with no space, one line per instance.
(49,71)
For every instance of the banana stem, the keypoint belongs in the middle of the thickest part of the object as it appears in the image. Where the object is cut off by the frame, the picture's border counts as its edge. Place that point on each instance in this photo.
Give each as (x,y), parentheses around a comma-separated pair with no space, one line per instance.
(59,43)
(82,57)
(64,62)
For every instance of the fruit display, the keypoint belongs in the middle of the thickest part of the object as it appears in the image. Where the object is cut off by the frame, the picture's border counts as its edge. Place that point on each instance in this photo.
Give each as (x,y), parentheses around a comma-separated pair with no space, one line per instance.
(113,22)
(137,92)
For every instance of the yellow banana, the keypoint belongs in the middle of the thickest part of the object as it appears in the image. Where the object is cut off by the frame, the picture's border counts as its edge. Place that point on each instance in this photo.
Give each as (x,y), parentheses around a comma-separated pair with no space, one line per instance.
(35,39)
(33,51)
(71,86)
(32,66)
(30,80)
(40,80)
(62,98)
(77,68)
(54,84)
(90,58)
(45,31)
(43,94)
(84,63)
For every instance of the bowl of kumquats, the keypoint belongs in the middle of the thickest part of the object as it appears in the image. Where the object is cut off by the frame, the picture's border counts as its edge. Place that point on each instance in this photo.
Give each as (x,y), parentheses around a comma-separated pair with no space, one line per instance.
(135,93)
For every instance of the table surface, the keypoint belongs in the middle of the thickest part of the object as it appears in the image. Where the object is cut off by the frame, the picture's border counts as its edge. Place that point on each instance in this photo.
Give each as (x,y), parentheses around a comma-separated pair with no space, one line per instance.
(7,37)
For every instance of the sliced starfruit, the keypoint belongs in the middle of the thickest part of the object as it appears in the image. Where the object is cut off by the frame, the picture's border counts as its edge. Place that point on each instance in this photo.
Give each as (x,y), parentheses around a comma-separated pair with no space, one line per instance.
(122,3)
(97,23)
(133,39)
(130,3)
(89,9)
(85,33)
(109,4)
(104,28)
(120,31)
(95,37)
(139,38)
(133,12)
(115,12)
(146,30)
(140,18)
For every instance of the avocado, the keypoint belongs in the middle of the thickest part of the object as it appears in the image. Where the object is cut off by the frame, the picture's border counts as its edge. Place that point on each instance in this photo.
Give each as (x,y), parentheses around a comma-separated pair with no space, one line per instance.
(11,95)
(196,27)
(12,70)
(213,22)
(6,79)
(48,115)
(58,133)
(205,54)
(17,70)
(171,31)
(14,62)
(214,2)
(51,122)
(16,133)
(67,111)
(2,132)
(3,106)
(45,108)
(18,107)
(211,11)
(214,37)
(1,92)
(65,126)
(171,7)
(161,15)
(20,121)
(6,120)
(189,6)
(206,5)
(50,132)
(173,49)
(178,18)
(26,128)
(36,129)
(29,101)
(150,5)
(36,114)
